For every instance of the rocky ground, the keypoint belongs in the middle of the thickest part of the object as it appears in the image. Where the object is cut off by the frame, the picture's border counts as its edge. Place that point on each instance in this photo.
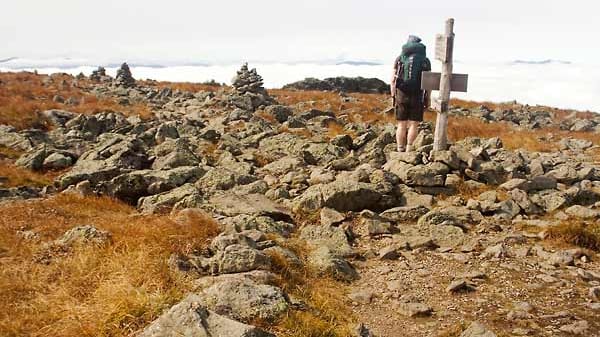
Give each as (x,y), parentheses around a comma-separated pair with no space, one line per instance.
(477,240)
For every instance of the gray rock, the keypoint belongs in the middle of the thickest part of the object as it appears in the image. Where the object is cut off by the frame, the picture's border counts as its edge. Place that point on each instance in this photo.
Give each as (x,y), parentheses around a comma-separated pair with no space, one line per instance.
(86,234)
(325,261)
(333,238)
(340,195)
(245,300)
(579,327)
(582,212)
(415,309)
(185,196)
(477,329)
(174,153)
(460,285)
(57,161)
(191,317)
(10,138)
(238,258)
(330,217)
(230,204)
(33,159)
(133,185)
(405,213)
(114,155)
(452,215)
(281,113)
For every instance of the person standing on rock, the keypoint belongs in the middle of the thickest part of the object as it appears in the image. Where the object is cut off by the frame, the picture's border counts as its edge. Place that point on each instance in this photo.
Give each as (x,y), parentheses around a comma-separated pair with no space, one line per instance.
(409,100)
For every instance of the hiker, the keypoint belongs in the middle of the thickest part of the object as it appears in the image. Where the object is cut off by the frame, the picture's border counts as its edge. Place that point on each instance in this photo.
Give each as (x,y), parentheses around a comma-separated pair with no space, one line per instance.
(409,100)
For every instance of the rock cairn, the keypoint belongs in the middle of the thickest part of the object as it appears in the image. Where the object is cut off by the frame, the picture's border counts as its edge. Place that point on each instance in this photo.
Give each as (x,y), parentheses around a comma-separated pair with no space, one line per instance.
(248,81)
(124,77)
(99,75)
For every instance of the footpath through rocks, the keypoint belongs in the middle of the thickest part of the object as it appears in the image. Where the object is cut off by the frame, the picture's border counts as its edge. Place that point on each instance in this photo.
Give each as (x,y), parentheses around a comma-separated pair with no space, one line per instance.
(426,243)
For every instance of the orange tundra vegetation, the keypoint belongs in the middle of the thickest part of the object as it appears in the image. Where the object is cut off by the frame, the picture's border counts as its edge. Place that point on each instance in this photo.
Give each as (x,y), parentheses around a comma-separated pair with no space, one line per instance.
(110,290)
(24,95)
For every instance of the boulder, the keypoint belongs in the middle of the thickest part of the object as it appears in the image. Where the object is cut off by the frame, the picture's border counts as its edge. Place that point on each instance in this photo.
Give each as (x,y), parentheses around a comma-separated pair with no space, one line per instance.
(477,329)
(230,204)
(133,185)
(238,258)
(174,153)
(185,196)
(114,155)
(334,238)
(340,195)
(57,161)
(191,317)
(245,300)
(323,260)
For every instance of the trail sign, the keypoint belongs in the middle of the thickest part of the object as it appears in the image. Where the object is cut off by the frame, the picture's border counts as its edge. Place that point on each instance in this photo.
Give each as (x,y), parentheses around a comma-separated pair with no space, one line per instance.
(445,82)
(441,47)
(431,81)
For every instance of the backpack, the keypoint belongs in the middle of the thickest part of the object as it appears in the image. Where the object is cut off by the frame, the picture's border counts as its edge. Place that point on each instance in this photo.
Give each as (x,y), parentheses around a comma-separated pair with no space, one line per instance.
(411,64)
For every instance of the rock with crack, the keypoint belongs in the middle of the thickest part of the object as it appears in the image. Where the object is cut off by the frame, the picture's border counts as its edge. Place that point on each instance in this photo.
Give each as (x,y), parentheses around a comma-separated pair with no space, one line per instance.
(136,184)
(245,300)
(405,213)
(452,216)
(460,285)
(191,317)
(114,155)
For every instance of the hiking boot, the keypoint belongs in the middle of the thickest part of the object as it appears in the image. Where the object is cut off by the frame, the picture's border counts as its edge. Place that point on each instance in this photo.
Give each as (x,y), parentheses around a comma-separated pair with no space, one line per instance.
(401,148)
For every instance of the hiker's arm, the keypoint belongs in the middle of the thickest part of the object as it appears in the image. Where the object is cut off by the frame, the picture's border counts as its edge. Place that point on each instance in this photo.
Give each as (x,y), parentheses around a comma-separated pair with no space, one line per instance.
(393,81)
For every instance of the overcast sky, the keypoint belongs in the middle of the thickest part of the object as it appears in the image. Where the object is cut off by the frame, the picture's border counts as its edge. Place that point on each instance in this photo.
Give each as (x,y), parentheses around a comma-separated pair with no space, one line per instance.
(279,30)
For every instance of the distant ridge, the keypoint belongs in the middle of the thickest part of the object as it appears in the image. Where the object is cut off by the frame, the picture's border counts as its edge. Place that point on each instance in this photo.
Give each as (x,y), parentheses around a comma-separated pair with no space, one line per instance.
(8,59)
(541,62)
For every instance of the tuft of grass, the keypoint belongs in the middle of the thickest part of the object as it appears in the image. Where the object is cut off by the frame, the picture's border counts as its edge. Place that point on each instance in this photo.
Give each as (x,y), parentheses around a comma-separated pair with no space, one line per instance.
(114,290)
(584,235)
(9,153)
(327,313)
(15,176)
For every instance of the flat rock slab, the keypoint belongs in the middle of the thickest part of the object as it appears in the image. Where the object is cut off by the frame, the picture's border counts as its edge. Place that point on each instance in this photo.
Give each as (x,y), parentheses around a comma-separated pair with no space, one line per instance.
(230,204)
(191,318)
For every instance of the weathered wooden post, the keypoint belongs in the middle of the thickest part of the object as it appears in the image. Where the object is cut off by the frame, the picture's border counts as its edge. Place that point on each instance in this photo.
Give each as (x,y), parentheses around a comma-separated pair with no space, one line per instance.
(445,82)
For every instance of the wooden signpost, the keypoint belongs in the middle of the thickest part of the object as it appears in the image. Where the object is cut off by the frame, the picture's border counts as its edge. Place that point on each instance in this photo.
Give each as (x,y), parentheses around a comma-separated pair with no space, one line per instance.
(445,82)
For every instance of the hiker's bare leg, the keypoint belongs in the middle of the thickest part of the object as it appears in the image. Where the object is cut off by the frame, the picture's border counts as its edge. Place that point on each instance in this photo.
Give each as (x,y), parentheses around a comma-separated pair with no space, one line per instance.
(401,132)
(413,131)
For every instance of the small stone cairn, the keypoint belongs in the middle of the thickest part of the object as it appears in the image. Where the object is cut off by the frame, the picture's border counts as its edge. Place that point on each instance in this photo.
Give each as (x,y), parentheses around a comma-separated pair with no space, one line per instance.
(124,77)
(248,81)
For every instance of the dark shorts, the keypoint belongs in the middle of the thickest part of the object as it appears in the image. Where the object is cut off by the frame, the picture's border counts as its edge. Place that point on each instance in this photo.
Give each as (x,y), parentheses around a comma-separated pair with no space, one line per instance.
(409,107)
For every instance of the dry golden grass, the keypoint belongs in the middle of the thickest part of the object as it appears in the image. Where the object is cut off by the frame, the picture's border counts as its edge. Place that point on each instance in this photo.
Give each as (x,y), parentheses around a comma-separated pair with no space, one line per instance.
(327,315)
(113,290)
(9,153)
(23,96)
(17,176)
(585,235)
(302,132)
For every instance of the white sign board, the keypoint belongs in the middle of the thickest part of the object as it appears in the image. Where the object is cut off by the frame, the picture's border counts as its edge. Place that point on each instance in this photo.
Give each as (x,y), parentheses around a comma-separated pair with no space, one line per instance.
(441,48)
